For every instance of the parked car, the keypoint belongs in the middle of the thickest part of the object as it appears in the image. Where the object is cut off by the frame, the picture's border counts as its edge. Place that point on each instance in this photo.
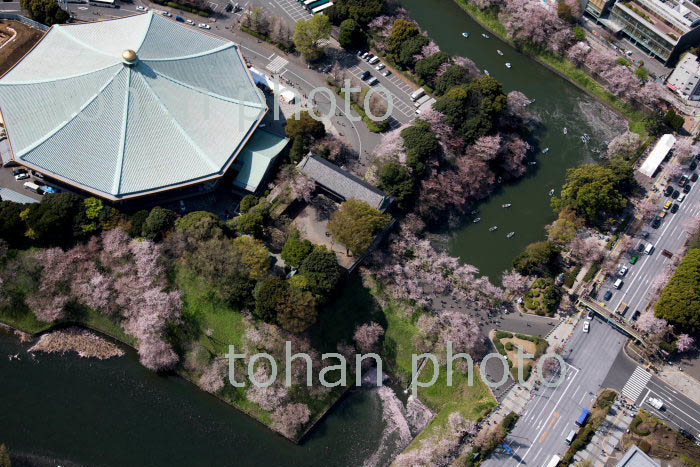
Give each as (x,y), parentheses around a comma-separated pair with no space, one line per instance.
(141,8)
(656,403)
(19,171)
(668,190)
(694,177)
(22,176)
(365,55)
(373,60)
(360,53)
(693,165)
(586,326)
(662,214)
(645,234)
(166,13)
(675,194)
(634,259)
(380,67)
(618,284)
(179,19)
(387,72)
(190,22)
(686,188)
(656,222)
(686,434)
(674,208)
(683,180)
(368,57)
(372,81)
(608,295)
(203,26)
(668,204)
(681,198)
(623,270)
(365,75)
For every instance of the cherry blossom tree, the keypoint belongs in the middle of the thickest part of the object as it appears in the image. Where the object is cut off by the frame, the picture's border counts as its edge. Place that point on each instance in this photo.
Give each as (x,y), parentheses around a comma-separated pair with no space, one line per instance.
(468,64)
(674,169)
(514,156)
(302,187)
(514,282)
(649,323)
(560,41)
(621,81)
(684,149)
(646,208)
(624,144)
(600,61)
(459,328)
(289,419)
(684,342)
(578,52)
(529,21)
(430,49)
(214,376)
(650,94)
(692,224)
(586,248)
(156,354)
(367,337)
(485,148)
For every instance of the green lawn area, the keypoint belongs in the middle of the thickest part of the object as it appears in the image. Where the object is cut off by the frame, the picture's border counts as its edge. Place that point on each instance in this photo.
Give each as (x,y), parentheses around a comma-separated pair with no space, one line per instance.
(489,19)
(398,342)
(26,322)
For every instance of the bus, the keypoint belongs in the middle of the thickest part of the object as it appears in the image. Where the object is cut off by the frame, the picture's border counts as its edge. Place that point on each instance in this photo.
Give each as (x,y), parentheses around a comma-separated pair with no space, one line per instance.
(104,3)
(319,9)
(315,4)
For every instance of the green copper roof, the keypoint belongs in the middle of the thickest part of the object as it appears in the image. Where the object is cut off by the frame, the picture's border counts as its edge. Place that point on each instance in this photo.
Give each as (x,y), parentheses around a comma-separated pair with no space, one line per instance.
(179,113)
(253,162)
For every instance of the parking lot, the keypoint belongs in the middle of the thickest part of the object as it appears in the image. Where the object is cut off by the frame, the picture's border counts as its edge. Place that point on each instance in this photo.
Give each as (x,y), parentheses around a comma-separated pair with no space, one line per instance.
(637,288)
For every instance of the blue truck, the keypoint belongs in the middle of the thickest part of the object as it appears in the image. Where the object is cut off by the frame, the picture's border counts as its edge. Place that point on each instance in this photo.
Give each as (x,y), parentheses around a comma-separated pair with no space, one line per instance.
(583,418)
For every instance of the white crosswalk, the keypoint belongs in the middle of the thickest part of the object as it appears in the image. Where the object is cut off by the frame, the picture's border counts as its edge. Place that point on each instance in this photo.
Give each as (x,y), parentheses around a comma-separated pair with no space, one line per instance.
(277,63)
(636,384)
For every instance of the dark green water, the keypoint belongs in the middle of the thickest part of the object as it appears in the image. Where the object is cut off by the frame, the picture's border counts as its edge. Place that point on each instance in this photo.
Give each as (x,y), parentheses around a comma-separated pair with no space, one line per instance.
(558,103)
(68,410)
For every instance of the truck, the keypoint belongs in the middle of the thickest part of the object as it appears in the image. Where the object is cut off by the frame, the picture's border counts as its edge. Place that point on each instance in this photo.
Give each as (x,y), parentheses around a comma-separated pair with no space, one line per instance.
(554,461)
(656,403)
(622,308)
(583,418)
(33,187)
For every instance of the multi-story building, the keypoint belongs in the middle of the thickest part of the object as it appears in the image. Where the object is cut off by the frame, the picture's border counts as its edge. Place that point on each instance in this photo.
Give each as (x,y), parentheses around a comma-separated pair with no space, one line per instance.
(662,28)
(685,79)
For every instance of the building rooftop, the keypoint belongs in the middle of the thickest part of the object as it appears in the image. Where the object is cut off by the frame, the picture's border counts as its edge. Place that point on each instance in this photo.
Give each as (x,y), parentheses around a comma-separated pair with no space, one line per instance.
(342,183)
(130,106)
(635,457)
(685,76)
(10,195)
(657,155)
(255,158)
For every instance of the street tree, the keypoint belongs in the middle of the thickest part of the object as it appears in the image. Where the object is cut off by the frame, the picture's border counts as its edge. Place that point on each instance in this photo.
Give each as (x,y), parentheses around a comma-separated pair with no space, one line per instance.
(309,34)
(355,224)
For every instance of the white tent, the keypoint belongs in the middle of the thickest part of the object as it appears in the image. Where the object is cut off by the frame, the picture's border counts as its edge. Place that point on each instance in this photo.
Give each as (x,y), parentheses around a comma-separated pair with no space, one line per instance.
(657,155)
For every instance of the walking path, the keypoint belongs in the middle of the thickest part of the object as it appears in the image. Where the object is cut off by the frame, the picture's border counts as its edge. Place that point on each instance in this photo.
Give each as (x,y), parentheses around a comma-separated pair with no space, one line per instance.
(607,437)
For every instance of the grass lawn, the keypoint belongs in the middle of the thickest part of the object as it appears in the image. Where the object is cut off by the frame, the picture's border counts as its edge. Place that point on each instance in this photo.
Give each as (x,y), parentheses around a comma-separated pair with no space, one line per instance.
(398,342)
(489,19)
(26,322)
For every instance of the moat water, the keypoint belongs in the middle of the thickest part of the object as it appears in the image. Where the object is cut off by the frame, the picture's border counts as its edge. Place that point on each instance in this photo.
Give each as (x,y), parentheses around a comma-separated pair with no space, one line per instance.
(64,410)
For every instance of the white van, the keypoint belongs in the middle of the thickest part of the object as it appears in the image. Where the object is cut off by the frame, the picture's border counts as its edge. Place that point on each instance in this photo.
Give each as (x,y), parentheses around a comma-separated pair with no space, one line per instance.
(571,437)
(32,187)
(618,284)
(372,81)
(417,94)
(649,248)
(374,60)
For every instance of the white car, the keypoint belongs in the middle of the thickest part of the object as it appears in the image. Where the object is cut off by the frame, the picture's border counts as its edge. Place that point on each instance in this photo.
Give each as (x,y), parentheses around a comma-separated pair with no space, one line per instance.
(656,403)
(166,13)
(387,72)
(586,326)
(203,26)
(381,66)
(22,176)
(190,22)
(681,197)
(141,8)
(623,270)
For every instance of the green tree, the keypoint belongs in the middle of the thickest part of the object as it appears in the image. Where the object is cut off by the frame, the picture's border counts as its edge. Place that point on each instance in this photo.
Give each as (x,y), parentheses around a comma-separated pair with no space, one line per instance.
(322,270)
(136,222)
(654,123)
(5,460)
(428,67)
(406,55)
(579,34)
(200,226)
(680,300)
(47,12)
(422,145)
(362,11)
(53,221)
(350,35)
(596,192)
(268,294)
(305,125)
(237,289)
(250,223)
(298,150)
(12,227)
(247,203)
(673,120)
(355,224)
(565,13)
(397,181)
(564,229)
(308,35)
(296,249)
(158,222)
(642,73)
(254,256)
(538,259)
(296,310)
(402,31)
(454,75)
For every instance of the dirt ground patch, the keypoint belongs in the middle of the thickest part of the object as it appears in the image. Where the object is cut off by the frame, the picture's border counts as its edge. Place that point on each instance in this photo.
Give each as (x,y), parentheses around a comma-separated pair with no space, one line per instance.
(659,441)
(16,39)
(528,347)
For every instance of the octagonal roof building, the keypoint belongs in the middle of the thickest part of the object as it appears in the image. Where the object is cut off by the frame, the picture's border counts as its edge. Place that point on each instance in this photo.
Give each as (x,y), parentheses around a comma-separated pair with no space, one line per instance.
(131,106)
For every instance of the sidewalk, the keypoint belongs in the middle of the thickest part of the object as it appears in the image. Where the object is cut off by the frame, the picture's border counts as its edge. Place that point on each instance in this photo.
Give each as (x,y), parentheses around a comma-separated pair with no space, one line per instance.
(607,437)
(560,335)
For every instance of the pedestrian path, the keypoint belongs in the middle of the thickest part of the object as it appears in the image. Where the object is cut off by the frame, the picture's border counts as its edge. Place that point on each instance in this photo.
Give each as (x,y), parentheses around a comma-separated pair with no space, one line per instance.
(636,384)
(277,64)
(606,441)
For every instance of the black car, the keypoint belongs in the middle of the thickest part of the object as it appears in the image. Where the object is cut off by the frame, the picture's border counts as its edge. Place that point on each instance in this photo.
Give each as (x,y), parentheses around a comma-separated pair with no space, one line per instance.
(686,188)
(674,208)
(656,222)
(668,190)
(19,171)
(675,194)
(694,177)
(686,434)
(640,247)
(365,75)
(693,165)
(645,234)
(608,295)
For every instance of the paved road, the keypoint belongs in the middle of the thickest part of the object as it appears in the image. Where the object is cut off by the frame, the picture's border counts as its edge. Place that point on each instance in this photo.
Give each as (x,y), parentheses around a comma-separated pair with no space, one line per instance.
(636,290)
(550,415)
